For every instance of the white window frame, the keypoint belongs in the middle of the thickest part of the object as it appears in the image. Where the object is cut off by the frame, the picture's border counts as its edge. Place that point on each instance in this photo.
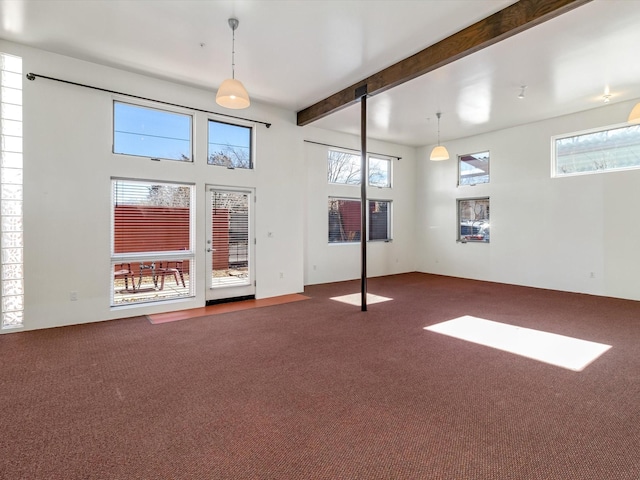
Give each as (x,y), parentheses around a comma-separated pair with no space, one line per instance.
(461,183)
(357,161)
(599,161)
(359,218)
(252,141)
(150,256)
(480,227)
(153,107)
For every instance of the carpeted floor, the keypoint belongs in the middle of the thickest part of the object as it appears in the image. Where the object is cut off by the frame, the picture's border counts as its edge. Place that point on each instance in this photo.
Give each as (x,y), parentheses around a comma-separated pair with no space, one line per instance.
(318,389)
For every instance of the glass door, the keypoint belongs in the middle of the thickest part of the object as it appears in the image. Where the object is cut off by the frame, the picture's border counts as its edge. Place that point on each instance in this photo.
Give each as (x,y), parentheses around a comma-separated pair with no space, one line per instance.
(230,243)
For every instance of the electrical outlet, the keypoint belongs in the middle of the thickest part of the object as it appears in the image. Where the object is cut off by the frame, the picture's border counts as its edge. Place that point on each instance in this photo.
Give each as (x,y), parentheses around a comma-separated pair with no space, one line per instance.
(281,275)
(73,296)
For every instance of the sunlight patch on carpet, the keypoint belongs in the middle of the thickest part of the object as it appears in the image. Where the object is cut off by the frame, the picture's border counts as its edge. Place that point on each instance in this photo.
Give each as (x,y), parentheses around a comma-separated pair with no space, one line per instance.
(355,299)
(566,352)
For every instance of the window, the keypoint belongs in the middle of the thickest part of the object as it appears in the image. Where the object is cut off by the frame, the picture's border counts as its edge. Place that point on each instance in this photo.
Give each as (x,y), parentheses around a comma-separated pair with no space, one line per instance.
(473,168)
(597,151)
(343,168)
(11,258)
(379,220)
(152,250)
(345,219)
(473,220)
(149,132)
(379,172)
(229,145)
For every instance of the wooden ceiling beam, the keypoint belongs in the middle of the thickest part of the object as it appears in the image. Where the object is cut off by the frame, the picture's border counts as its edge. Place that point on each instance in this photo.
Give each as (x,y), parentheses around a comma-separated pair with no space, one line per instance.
(509,21)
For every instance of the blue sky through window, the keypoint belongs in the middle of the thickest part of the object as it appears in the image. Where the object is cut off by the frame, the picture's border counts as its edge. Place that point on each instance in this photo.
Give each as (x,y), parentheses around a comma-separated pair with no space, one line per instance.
(149,132)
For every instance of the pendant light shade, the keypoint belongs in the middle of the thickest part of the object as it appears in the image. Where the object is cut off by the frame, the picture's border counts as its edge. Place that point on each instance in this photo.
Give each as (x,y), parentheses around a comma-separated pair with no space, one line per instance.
(232,93)
(439,152)
(634,116)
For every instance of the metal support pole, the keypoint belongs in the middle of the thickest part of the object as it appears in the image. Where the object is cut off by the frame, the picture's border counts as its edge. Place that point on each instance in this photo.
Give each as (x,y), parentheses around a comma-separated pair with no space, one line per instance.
(362,93)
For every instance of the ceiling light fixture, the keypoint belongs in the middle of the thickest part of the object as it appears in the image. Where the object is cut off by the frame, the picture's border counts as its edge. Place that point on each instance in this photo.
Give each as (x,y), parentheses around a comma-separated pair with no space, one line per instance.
(522,89)
(232,93)
(439,152)
(634,116)
(606,98)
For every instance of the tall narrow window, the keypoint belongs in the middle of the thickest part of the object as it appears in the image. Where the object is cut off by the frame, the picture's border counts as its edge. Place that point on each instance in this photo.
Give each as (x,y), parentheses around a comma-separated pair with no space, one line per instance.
(152,250)
(151,132)
(379,220)
(229,145)
(11,191)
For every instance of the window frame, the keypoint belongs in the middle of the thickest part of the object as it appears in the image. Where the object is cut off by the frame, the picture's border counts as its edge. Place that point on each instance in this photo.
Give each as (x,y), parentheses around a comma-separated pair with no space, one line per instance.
(389,161)
(355,240)
(554,151)
(488,172)
(153,107)
(252,142)
(484,230)
(150,256)
(358,163)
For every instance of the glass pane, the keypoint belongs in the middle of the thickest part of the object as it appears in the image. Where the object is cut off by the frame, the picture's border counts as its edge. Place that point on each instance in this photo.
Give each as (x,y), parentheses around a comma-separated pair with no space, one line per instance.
(11,207)
(230,234)
(148,132)
(151,217)
(11,255)
(10,63)
(613,149)
(229,145)
(379,220)
(343,168)
(11,175)
(11,224)
(11,95)
(151,281)
(11,159)
(12,287)
(12,271)
(11,128)
(474,168)
(12,319)
(10,112)
(379,172)
(12,303)
(344,220)
(473,217)
(12,240)
(10,192)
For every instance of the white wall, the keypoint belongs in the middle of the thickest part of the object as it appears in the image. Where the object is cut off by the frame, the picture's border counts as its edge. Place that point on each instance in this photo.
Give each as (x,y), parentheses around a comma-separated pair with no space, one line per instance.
(545,232)
(326,262)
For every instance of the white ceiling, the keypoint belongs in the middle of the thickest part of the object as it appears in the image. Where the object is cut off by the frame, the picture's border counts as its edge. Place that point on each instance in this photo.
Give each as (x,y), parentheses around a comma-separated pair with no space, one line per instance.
(293,53)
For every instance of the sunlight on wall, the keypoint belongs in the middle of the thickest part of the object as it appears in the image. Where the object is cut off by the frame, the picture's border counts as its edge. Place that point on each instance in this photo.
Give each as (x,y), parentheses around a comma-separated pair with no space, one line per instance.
(566,352)
(11,191)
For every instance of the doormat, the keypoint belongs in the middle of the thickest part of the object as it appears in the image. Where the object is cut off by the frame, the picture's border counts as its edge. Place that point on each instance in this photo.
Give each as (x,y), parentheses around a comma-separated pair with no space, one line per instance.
(158,318)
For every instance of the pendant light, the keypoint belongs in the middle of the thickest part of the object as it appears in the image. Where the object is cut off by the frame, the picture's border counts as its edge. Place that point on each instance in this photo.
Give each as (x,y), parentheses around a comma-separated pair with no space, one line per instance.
(232,93)
(439,152)
(634,116)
